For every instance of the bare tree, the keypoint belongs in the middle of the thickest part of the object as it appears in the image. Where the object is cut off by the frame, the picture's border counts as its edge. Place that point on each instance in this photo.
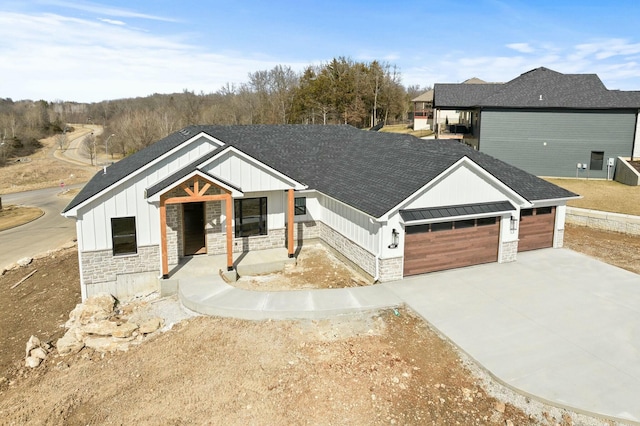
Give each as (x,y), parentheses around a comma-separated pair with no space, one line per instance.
(88,147)
(61,139)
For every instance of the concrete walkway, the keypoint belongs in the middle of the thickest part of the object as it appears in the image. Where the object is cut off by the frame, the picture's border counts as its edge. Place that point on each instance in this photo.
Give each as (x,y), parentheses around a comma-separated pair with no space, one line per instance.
(557,325)
(204,291)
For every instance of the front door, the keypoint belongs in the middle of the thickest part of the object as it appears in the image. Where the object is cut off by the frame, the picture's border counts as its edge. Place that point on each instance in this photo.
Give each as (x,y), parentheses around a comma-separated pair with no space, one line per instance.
(194,239)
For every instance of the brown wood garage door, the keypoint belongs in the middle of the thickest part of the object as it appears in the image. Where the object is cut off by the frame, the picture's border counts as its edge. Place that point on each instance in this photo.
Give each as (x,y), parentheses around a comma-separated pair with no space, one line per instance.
(536,228)
(450,245)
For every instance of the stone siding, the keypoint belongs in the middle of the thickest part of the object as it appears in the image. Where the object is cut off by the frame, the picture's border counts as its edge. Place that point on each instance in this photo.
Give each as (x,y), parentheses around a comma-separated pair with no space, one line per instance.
(274,239)
(309,230)
(175,241)
(122,276)
(215,236)
(391,269)
(350,250)
(509,251)
(606,221)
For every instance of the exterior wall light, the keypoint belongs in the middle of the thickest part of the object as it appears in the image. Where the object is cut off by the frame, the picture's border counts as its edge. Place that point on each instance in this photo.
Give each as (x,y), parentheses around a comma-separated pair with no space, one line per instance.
(514,224)
(395,239)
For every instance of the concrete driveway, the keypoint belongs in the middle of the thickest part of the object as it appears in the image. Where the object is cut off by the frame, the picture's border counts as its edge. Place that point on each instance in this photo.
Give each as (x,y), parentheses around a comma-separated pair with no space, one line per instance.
(556,324)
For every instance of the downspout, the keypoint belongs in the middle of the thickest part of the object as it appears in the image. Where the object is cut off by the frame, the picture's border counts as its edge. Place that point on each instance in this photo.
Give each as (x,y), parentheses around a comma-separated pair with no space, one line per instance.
(377,277)
(635,138)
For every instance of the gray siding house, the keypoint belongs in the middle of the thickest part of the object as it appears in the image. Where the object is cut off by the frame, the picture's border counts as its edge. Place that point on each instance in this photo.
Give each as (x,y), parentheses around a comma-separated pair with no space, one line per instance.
(548,123)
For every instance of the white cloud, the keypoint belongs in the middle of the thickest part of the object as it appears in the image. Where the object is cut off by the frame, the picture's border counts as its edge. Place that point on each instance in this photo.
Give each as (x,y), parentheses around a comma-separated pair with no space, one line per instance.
(104,10)
(112,21)
(57,57)
(521,47)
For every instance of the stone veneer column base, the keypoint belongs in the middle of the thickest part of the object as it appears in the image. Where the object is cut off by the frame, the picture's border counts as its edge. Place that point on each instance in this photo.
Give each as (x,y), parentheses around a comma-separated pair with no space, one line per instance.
(391,269)
(558,238)
(509,252)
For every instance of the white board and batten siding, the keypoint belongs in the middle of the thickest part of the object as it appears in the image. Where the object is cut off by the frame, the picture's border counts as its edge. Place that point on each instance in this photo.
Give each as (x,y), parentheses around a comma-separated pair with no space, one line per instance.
(351,223)
(462,186)
(246,175)
(126,199)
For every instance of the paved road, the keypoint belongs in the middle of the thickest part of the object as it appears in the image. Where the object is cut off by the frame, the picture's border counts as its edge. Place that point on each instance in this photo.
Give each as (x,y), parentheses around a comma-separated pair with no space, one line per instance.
(46,233)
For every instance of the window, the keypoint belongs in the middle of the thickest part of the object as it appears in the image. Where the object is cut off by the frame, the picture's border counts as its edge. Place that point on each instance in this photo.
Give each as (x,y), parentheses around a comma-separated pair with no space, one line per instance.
(251,217)
(597,160)
(441,226)
(460,224)
(300,206)
(526,212)
(485,221)
(543,210)
(417,229)
(123,235)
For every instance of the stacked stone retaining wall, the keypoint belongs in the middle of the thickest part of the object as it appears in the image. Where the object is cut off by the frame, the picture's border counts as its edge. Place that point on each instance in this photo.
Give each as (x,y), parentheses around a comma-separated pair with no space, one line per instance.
(605,221)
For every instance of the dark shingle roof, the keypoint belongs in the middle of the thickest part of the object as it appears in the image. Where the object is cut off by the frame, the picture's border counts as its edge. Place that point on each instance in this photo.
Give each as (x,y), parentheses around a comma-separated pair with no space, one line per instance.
(370,171)
(411,215)
(538,88)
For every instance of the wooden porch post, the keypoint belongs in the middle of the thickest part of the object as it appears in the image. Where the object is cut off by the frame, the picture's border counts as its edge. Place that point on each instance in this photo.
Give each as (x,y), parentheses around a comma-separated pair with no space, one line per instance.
(229,214)
(163,238)
(290,216)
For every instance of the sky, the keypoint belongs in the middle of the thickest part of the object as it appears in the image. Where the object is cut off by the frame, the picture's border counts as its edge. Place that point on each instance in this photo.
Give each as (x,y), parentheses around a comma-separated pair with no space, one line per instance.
(90,51)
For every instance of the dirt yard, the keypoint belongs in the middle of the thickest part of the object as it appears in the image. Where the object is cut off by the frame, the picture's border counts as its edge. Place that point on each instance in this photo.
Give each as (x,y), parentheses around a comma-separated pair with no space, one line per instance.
(316,267)
(609,196)
(380,368)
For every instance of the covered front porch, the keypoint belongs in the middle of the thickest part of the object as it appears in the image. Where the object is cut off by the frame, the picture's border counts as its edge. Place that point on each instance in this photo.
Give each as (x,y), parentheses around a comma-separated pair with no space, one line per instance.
(197,220)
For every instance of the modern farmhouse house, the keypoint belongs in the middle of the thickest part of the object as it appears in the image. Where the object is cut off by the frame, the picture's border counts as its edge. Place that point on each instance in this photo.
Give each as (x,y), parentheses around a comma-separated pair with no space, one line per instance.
(392,204)
(546,122)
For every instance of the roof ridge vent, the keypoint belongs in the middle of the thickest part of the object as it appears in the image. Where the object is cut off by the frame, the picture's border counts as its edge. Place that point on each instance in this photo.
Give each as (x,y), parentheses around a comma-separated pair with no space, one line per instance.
(185,132)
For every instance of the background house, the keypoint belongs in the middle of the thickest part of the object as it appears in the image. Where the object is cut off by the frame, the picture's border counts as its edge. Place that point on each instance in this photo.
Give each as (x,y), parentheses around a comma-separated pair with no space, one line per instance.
(423,112)
(390,204)
(548,123)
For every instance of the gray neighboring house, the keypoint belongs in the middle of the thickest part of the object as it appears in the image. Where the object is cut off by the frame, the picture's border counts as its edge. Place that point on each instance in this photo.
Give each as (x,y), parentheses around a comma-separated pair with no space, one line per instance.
(548,123)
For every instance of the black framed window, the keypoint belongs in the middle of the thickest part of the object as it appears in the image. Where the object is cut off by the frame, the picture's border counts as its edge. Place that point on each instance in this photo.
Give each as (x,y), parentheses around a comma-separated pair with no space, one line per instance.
(485,221)
(543,210)
(597,160)
(251,217)
(441,226)
(461,224)
(123,235)
(300,206)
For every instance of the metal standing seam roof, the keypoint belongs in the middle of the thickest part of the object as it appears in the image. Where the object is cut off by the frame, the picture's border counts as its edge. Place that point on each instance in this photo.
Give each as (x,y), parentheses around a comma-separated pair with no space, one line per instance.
(414,215)
(369,171)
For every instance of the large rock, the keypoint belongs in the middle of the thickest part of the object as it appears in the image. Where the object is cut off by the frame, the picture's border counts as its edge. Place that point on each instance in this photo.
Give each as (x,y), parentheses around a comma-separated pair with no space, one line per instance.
(150,325)
(69,344)
(107,344)
(32,362)
(124,330)
(99,328)
(33,343)
(95,308)
(39,353)
(25,261)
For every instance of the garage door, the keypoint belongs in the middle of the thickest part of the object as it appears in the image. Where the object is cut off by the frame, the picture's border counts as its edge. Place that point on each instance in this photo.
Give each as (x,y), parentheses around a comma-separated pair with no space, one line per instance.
(536,228)
(448,245)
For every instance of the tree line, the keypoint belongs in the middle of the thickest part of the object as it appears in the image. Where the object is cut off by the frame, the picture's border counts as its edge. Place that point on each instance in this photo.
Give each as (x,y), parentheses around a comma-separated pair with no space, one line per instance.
(341,91)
